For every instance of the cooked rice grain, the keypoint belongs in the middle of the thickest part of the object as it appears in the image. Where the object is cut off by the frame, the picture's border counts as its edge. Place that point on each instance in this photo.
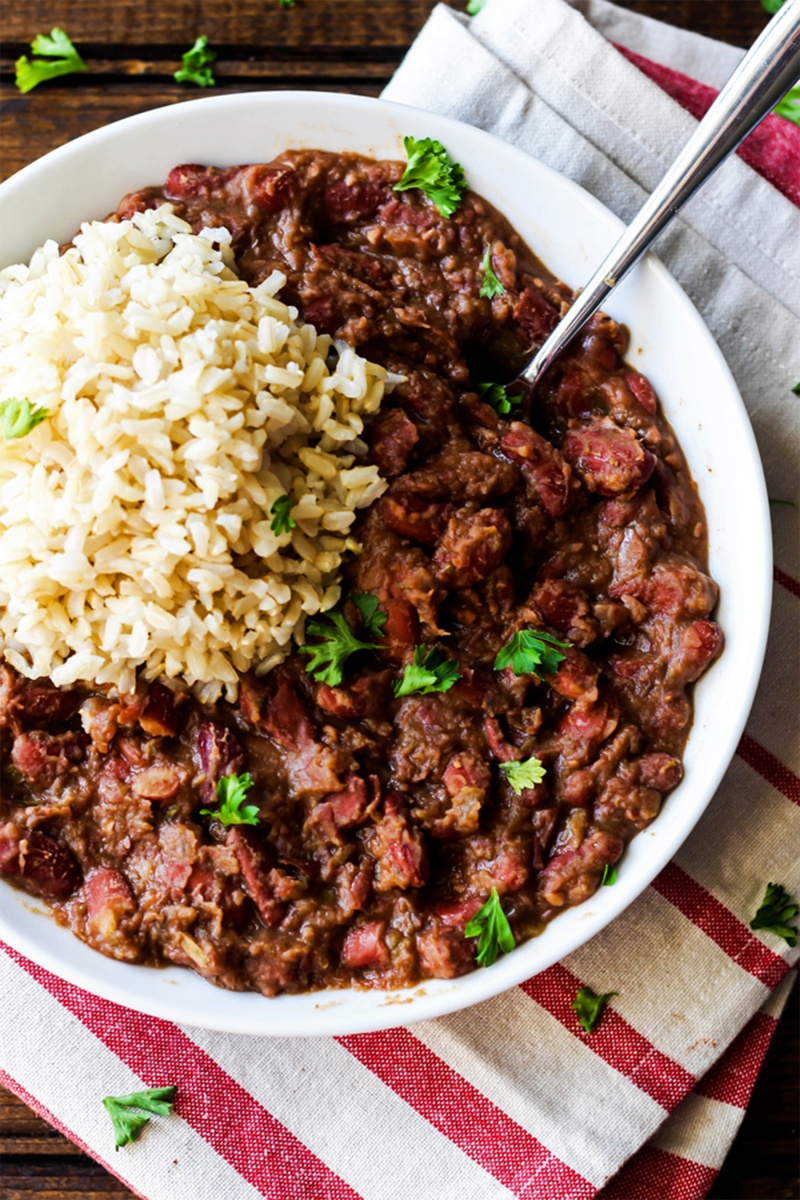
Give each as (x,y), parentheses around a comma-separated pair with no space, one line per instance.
(135,529)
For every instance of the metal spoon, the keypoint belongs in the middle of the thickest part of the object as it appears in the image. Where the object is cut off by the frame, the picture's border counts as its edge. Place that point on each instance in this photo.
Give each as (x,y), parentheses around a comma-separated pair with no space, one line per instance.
(768,70)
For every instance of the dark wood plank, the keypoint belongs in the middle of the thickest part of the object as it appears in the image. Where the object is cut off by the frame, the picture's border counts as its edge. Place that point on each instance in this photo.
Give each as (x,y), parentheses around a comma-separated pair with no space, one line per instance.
(735,21)
(331,25)
(32,125)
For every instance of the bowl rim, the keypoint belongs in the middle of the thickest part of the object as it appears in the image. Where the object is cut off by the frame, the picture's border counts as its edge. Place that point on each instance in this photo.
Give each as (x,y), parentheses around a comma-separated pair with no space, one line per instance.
(329,1012)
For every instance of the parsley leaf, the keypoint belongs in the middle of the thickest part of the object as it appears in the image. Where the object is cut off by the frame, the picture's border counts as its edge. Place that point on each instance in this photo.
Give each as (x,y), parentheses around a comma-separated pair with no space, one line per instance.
(796,389)
(474,7)
(496,395)
(491,285)
(609,876)
(231,792)
(282,522)
(127,1124)
(771,6)
(531,652)
(329,655)
(431,169)
(525,773)
(775,912)
(373,618)
(789,106)
(59,57)
(196,67)
(431,671)
(287,3)
(589,1007)
(18,417)
(490,926)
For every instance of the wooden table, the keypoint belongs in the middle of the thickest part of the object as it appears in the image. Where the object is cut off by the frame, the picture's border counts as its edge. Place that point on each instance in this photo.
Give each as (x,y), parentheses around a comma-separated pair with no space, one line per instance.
(133,47)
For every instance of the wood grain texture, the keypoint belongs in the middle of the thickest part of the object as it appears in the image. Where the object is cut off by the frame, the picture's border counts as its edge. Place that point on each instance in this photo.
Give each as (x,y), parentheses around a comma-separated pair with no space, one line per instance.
(133,47)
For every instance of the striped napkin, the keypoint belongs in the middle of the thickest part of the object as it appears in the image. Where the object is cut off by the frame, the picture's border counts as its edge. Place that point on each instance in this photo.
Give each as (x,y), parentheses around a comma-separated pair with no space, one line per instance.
(511,1098)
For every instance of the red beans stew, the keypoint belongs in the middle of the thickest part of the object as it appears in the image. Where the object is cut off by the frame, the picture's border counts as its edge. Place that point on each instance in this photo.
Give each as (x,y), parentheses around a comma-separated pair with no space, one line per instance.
(385,822)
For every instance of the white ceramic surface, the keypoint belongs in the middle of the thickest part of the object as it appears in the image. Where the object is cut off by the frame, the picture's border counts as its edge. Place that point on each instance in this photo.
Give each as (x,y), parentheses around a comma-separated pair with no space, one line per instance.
(570,231)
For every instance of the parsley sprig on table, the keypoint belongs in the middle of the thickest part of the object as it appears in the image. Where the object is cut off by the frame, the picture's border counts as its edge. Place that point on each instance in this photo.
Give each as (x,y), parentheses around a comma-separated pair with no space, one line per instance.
(231,792)
(431,169)
(337,641)
(775,912)
(499,398)
(490,926)
(531,652)
(58,57)
(430,671)
(589,1007)
(196,65)
(281,521)
(491,286)
(127,1124)
(523,773)
(18,417)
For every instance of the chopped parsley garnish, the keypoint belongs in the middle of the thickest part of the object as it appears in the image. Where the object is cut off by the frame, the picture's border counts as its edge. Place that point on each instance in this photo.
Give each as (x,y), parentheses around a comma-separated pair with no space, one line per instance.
(231,792)
(282,522)
(777,909)
(431,671)
(18,417)
(771,6)
(490,926)
(589,1007)
(338,642)
(59,57)
(609,876)
(474,7)
(789,106)
(496,395)
(431,169)
(796,389)
(127,1124)
(196,68)
(491,285)
(373,618)
(525,773)
(287,3)
(531,652)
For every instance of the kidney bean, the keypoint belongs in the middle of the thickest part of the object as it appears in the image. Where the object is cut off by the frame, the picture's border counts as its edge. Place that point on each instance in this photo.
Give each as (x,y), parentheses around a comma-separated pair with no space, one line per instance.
(608,459)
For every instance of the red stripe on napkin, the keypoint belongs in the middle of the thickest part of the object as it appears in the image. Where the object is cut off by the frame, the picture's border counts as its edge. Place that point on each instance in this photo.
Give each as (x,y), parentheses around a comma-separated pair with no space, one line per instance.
(773,149)
(468,1118)
(614,1040)
(769,767)
(241,1130)
(651,1172)
(720,924)
(786,581)
(657,1175)
(732,1078)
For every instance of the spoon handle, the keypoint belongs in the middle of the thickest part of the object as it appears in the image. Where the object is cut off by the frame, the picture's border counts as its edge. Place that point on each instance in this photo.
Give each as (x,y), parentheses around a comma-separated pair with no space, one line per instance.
(768,70)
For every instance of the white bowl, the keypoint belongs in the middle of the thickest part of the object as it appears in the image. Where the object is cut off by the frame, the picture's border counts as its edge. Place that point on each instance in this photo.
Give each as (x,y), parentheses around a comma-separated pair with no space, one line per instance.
(570,231)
